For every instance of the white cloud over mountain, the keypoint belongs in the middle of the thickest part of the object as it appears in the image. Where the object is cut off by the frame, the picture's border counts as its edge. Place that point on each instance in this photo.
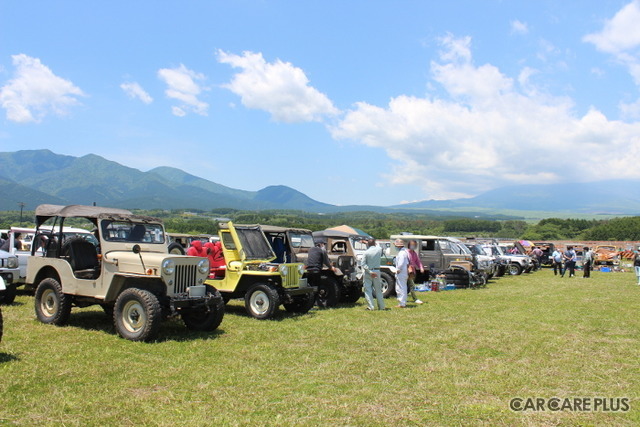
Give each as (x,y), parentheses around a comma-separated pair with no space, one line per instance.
(490,130)
(35,92)
(182,85)
(135,91)
(278,87)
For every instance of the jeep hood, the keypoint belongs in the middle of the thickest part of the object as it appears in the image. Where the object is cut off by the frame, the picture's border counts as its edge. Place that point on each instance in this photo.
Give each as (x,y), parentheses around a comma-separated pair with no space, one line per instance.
(128,262)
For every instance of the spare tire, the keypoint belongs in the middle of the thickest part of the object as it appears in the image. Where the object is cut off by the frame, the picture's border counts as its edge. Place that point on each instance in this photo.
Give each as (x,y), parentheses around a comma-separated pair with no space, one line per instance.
(176,248)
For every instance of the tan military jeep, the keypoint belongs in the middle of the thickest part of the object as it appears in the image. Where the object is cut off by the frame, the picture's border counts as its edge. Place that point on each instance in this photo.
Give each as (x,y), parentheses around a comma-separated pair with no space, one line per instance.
(130,274)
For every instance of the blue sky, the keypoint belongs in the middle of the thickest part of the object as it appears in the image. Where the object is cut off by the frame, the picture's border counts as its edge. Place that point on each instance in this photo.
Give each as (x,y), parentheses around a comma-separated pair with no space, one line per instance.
(350,102)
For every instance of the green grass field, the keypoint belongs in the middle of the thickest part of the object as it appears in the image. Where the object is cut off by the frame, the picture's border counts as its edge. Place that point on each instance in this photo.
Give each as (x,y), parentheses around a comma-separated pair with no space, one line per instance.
(457,360)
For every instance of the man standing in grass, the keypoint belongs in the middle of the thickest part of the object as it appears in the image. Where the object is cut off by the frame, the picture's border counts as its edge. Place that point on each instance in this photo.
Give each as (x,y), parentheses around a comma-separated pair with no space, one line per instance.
(371,266)
(636,264)
(587,260)
(402,273)
(557,261)
(569,261)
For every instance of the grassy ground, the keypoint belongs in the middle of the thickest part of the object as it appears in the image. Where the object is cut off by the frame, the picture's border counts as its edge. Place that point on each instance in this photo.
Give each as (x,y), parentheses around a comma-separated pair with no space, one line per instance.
(457,360)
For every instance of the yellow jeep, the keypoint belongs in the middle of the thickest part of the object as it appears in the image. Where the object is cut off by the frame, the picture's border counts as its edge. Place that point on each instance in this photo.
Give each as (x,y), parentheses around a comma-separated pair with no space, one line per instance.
(251,274)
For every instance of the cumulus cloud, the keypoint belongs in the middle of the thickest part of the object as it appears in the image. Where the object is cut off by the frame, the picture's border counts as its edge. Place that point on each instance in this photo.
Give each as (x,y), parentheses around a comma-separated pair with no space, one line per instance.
(490,130)
(277,87)
(182,85)
(620,37)
(135,91)
(34,92)
(519,27)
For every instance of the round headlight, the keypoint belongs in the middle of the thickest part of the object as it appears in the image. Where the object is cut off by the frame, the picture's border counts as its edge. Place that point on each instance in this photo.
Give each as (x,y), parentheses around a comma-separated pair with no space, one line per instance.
(12,262)
(301,269)
(284,270)
(168,267)
(203,266)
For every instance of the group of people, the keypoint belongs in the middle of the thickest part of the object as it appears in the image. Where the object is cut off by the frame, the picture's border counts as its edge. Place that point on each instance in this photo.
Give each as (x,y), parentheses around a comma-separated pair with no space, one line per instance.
(566,261)
(407,265)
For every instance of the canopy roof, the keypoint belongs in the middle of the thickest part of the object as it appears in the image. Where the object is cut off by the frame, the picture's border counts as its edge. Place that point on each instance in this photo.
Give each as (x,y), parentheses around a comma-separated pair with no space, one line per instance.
(350,230)
(44,212)
(276,229)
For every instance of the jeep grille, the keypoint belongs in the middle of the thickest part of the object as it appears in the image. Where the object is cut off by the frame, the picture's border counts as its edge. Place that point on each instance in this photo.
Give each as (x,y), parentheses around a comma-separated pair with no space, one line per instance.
(292,279)
(185,276)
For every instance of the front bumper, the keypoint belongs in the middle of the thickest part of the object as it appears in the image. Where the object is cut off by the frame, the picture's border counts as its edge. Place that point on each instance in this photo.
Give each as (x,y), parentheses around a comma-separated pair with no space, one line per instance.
(302,289)
(184,301)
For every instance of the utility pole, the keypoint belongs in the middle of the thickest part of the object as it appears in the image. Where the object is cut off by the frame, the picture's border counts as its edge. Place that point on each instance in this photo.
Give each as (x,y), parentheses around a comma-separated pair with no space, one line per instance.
(21,204)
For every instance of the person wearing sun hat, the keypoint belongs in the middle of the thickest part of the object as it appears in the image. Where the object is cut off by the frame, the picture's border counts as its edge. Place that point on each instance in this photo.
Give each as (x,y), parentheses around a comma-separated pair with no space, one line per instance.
(402,273)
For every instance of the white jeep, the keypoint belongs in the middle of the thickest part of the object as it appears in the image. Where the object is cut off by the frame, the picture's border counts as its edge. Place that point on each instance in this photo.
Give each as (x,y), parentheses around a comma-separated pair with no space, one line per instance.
(130,273)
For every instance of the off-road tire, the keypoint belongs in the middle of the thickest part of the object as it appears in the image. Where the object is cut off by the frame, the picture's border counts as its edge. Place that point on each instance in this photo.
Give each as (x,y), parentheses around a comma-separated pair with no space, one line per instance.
(108,310)
(390,290)
(301,304)
(352,293)
(500,271)
(261,301)
(514,269)
(51,304)
(328,294)
(459,278)
(9,295)
(137,315)
(176,248)
(203,319)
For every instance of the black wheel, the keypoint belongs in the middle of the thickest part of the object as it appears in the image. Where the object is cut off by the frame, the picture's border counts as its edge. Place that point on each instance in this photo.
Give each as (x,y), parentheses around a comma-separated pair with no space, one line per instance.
(301,304)
(328,293)
(458,277)
(352,294)
(52,305)
(176,248)
(205,319)
(261,301)
(388,284)
(9,295)
(108,310)
(137,315)
(515,269)
(501,270)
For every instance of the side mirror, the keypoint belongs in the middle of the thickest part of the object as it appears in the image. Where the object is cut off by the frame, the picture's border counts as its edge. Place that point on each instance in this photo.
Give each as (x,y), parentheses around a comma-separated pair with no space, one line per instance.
(135,249)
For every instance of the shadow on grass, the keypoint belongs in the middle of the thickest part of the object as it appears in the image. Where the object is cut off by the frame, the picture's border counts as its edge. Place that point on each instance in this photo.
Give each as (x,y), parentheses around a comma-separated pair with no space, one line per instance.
(171,330)
(279,316)
(7,357)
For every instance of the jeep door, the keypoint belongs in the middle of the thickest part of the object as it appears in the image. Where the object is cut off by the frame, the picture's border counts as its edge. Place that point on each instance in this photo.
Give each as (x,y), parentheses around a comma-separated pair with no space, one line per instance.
(430,254)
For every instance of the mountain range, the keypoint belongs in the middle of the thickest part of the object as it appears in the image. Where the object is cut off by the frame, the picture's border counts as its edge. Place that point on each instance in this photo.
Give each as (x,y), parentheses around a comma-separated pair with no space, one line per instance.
(41,176)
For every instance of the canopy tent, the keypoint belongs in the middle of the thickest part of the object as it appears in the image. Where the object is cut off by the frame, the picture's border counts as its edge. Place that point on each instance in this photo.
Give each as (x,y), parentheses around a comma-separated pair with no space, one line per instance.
(350,230)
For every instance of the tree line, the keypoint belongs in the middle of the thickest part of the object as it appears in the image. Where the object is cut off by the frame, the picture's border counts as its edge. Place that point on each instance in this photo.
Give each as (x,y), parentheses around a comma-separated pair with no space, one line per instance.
(382,225)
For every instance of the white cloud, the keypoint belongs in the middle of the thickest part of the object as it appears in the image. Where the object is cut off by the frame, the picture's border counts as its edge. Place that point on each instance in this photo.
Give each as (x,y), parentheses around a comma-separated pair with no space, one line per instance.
(35,92)
(135,91)
(278,88)
(620,37)
(182,85)
(490,132)
(519,27)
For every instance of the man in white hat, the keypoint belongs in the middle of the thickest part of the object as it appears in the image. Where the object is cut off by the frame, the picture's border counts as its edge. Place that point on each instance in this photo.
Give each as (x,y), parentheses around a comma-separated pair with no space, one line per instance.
(402,273)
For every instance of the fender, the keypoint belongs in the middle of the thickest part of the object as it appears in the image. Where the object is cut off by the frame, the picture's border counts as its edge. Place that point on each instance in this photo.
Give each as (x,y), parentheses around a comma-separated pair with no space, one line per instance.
(3,286)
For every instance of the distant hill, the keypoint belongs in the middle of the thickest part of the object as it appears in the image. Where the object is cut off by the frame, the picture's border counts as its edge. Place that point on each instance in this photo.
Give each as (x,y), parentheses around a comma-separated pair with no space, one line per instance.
(610,197)
(53,178)
(41,176)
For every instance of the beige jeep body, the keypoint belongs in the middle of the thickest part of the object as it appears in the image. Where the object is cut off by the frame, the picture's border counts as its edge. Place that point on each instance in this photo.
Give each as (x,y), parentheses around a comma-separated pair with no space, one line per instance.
(131,263)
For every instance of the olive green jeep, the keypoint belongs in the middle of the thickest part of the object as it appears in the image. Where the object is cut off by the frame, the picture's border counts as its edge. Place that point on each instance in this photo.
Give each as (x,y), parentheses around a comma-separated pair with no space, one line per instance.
(251,273)
(130,273)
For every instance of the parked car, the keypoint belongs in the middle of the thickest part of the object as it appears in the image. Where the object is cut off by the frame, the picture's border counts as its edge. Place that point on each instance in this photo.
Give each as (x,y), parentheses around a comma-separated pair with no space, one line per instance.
(605,255)
(180,242)
(9,273)
(444,255)
(131,275)
(482,261)
(252,274)
(342,254)
(518,262)
(547,250)
(293,244)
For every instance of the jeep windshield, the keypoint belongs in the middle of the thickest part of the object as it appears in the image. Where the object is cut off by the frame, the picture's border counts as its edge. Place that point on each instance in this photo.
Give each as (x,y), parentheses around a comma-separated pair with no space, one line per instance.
(254,244)
(132,232)
(299,240)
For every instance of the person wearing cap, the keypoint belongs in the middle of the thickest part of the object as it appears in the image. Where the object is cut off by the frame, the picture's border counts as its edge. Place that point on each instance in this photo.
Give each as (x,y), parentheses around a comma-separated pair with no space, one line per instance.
(371,265)
(402,273)
(316,260)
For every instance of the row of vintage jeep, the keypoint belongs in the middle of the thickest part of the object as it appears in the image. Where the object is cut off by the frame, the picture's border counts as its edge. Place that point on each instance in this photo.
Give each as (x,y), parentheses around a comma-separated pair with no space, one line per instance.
(131,273)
